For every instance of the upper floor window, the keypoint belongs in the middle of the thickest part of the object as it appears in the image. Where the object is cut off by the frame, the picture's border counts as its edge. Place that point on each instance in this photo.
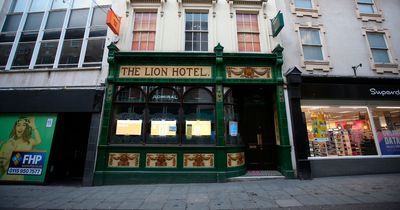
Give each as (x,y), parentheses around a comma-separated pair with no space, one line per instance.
(311,43)
(18,6)
(60,4)
(378,47)
(248,33)
(305,8)
(144,31)
(196,31)
(38,6)
(366,6)
(303,4)
(367,10)
(314,53)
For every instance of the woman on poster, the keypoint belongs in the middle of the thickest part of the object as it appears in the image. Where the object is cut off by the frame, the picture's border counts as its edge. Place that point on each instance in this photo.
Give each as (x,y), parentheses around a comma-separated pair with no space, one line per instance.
(20,140)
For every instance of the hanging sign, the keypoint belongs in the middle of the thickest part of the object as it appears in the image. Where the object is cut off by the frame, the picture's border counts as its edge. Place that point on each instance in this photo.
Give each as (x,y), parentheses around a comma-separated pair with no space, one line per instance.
(177,72)
(277,24)
(113,21)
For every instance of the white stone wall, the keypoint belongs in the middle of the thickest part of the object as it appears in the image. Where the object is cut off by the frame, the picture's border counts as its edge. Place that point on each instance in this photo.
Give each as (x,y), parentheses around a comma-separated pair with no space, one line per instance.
(170,34)
(345,42)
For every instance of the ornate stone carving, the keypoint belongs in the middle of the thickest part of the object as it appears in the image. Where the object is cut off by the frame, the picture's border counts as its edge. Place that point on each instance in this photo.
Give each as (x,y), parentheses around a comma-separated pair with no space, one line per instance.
(198,160)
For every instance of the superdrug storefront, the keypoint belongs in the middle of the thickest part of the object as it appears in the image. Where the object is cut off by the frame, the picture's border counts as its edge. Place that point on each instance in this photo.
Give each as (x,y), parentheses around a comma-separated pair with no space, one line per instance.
(345,125)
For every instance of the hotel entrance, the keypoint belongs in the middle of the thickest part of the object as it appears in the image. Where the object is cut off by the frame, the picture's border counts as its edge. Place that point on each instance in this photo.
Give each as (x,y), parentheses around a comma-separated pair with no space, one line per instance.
(256,120)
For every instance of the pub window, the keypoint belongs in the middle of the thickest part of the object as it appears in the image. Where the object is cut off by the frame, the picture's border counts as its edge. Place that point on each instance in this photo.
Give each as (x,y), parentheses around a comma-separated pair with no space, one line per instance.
(163,121)
(144,31)
(248,34)
(231,119)
(128,115)
(199,120)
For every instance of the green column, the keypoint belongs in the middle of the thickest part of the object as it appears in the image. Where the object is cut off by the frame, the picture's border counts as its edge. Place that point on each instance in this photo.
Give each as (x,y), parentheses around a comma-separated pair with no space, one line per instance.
(101,163)
(284,148)
(219,109)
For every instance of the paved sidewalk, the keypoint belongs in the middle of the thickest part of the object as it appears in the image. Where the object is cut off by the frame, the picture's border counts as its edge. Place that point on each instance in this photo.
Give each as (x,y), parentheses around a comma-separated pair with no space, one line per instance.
(350,192)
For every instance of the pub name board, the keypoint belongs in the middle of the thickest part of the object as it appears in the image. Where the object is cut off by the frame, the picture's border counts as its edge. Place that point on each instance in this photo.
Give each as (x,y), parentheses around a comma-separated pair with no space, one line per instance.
(179,72)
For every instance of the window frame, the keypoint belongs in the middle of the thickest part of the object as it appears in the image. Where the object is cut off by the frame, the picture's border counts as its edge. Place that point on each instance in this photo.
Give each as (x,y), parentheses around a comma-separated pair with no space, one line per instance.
(201,32)
(380,68)
(258,33)
(147,104)
(313,12)
(311,65)
(61,38)
(140,31)
(365,17)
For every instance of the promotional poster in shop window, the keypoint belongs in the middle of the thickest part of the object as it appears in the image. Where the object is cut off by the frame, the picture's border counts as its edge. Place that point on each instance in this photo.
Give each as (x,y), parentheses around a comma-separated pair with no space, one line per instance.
(389,141)
(25,143)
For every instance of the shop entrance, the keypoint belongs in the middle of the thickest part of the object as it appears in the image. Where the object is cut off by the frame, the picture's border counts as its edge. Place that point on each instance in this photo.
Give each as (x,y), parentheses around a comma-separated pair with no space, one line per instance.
(257,126)
(68,150)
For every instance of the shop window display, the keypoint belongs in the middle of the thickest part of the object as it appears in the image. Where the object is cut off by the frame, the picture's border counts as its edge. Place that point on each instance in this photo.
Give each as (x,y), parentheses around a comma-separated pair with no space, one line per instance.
(339,131)
(387,124)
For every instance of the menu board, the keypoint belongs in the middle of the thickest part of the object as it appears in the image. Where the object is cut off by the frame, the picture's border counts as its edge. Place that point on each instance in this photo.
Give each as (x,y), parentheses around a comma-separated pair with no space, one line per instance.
(163,128)
(129,127)
(198,128)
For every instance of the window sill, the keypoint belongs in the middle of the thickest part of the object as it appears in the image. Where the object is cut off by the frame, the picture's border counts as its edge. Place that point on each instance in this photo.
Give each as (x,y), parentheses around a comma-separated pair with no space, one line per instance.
(386,67)
(50,70)
(317,65)
(300,12)
(365,17)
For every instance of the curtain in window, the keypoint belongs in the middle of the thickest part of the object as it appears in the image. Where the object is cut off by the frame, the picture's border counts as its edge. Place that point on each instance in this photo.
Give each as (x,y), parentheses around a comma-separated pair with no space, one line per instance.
(144,31)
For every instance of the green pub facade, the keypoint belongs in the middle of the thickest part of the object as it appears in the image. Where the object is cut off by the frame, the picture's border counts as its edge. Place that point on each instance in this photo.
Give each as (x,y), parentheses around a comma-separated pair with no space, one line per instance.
(192,117)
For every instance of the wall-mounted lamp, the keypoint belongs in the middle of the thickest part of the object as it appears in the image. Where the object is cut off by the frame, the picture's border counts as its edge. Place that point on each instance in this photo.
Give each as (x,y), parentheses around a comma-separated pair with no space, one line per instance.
(355,68)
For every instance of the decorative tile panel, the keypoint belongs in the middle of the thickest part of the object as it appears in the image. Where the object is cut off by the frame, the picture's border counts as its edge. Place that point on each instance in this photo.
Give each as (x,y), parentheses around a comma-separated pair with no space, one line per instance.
(247,72)
(161,160)
(198,160)
(235,159)
(128,160)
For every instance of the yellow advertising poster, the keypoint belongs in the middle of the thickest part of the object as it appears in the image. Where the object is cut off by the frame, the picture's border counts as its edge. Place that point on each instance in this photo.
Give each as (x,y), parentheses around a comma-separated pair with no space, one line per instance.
(129,127)
(163,128)
(198,128)
(319,128)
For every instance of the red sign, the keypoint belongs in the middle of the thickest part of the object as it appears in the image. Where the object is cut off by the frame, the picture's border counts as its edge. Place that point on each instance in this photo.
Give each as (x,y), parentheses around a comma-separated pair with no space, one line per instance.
(113,21)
